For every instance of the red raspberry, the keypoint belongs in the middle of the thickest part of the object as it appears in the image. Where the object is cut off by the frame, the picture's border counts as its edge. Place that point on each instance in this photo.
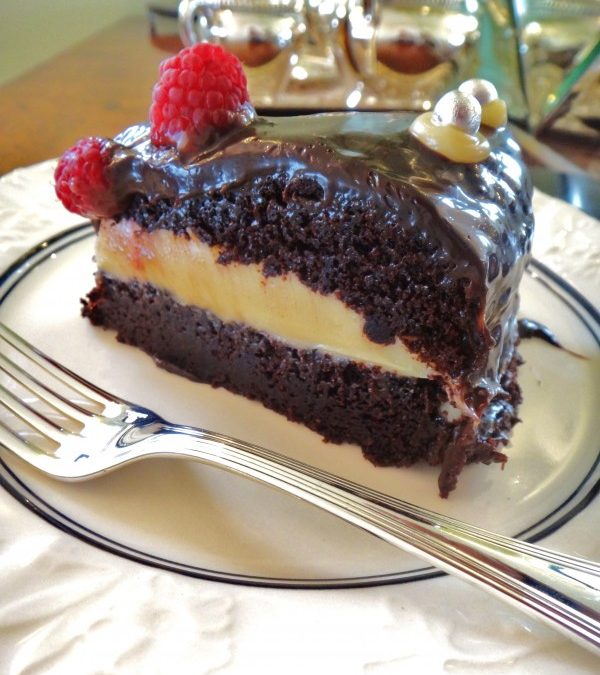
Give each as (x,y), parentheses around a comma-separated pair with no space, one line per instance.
(80,179)
(200,90)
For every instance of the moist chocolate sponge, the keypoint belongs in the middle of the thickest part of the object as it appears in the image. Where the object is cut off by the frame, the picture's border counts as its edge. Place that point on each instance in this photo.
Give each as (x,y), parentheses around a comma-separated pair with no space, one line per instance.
(395,420)
(382,265)
(426,250)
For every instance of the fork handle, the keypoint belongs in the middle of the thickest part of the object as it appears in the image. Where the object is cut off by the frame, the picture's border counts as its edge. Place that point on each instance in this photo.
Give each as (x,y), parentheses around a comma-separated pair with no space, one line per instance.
(562,590)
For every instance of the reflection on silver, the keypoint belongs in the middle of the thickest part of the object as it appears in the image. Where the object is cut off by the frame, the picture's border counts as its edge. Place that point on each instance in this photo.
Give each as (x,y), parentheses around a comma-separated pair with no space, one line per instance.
(108,433)
(542,55)
(290,47)
(410,52)
(560,58)
(348,53)
(263,35)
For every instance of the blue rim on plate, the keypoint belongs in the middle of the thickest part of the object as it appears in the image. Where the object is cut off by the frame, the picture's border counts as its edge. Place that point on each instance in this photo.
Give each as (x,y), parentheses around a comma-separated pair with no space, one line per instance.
(578,500)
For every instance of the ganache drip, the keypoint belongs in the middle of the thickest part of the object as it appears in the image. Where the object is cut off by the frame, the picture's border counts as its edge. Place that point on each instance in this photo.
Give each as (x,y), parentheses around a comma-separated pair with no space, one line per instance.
(528,328)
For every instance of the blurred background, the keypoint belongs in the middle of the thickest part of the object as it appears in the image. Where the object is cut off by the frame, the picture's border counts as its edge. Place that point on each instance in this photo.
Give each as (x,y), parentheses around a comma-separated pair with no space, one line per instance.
(77,67)
(31,31)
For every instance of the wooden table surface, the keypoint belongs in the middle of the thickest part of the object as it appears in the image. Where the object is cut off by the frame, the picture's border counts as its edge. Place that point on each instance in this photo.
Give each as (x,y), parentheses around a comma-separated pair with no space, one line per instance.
(95,88)
(101,86)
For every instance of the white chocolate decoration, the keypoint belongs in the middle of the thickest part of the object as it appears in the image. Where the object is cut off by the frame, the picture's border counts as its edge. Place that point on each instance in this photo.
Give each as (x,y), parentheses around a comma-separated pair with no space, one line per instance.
(494,114)
(493,109)
(452,129)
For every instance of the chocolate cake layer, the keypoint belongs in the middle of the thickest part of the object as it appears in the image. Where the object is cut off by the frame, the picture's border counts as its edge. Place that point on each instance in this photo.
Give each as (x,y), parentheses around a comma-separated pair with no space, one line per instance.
(397,421)
(353,204)
(379,266)
(282,305)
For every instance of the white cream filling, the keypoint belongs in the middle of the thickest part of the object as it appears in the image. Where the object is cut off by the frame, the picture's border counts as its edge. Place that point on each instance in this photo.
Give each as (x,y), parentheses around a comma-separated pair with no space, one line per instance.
(281,306)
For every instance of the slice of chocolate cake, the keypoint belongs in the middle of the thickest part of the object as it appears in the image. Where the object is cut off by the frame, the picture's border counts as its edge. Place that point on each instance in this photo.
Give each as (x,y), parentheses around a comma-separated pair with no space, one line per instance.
(355,272)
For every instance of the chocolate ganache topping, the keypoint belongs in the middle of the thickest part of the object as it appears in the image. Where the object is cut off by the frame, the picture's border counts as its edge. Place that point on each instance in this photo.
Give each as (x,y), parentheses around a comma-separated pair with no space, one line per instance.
(479,213)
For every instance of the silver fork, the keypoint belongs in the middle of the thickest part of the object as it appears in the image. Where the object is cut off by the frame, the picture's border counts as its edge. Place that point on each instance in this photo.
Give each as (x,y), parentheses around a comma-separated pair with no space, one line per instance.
(562,590)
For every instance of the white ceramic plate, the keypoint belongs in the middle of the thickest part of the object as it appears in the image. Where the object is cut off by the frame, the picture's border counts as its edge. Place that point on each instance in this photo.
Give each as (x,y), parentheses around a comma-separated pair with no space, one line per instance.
(202,521)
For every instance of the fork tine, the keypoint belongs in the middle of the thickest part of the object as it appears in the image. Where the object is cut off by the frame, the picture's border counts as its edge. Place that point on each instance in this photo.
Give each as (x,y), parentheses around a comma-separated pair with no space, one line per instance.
(64,375)
(43,391)
(34,418)
(28,451)
(13,442)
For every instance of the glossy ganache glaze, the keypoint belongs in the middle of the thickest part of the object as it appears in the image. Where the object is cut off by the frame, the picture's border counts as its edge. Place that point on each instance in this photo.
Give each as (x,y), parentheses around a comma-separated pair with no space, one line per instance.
(472,222)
